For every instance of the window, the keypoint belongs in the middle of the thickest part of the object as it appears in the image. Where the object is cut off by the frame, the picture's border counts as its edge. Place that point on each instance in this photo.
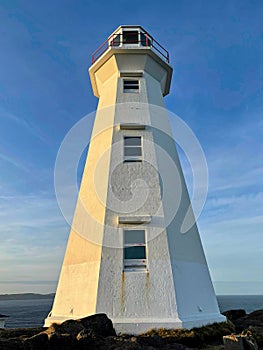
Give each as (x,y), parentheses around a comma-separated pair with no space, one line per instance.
(130,85)
(134,250)
(130,37)
(116,40)
(145,40)
(132,148)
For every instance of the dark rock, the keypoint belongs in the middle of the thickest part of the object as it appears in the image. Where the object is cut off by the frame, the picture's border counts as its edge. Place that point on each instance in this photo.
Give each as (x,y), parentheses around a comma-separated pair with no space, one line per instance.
(257,333)
(128,342)
(234,314)
(244,341)
(86,334)
(37,342)
(72,327)
(255,318)
(62,342)
(177,346)
(256,315)
(124,346)
(19,332)
(87,338)
(252,322)
(154,340)
(11,344)
(99,323)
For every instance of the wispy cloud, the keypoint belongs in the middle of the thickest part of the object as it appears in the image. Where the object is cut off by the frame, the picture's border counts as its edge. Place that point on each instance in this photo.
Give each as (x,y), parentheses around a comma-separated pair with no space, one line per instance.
(13,161)
(33,239)
(239,206)
(20,122)
(31,211)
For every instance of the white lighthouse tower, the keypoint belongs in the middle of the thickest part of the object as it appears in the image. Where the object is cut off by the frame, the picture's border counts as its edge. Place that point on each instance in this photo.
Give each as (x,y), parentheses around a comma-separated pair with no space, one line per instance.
(126,254)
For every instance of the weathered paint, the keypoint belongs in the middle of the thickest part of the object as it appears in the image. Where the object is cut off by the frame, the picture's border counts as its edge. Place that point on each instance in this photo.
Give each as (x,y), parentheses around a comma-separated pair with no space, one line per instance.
(175,290)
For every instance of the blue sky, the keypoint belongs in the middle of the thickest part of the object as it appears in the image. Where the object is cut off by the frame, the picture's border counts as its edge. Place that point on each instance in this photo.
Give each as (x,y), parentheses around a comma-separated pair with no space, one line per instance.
(216,51)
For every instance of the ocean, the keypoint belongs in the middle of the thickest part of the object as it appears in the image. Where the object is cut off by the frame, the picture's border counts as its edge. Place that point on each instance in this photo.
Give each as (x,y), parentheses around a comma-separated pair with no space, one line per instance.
(31,313)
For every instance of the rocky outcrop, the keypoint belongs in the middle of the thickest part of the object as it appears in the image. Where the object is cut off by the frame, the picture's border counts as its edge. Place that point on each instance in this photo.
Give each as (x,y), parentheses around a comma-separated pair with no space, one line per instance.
(97,332)
(252,322)
(233,315)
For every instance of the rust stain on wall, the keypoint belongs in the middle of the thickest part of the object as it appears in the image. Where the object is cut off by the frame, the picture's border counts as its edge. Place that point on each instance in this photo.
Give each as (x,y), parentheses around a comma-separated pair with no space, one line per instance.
(147,288)
(123,292)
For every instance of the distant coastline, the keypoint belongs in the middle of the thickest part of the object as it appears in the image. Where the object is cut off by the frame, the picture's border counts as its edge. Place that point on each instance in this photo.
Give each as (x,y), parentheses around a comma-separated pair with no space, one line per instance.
(33,296)
(26,296)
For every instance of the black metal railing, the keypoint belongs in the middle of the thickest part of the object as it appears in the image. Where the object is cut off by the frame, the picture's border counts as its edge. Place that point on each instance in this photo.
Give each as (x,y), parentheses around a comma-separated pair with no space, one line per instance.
(131,37)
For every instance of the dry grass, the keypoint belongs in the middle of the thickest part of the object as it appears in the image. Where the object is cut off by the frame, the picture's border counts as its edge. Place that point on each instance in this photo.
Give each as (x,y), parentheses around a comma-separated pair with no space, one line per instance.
(196,337)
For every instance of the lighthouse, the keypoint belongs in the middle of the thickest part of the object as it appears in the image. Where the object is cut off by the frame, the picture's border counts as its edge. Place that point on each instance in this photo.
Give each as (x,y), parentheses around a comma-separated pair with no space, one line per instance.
(127,255)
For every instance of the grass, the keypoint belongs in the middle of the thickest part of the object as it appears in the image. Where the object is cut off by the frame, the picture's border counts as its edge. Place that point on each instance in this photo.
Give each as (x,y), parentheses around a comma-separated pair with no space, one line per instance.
(196,337)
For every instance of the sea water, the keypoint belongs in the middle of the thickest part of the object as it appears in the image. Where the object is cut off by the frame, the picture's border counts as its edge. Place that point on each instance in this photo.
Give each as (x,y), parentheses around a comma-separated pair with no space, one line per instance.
(25,313)
(31,313)
(247,302)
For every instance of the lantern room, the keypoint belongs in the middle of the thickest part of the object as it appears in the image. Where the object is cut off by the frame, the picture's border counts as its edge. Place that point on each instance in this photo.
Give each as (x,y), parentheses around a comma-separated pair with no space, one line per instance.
(131,37)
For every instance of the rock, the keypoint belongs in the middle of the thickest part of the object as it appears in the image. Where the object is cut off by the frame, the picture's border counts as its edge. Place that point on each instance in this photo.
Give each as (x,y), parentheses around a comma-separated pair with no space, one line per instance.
(13,339)
(99,324)
(62,342)
(154,340)
(234,314)
(257,334)
(255,318)
(11,344)
(129,342)
(72,327)
(125,346)
(176,346)
(87,339)
(256,315)
(85,334)
(38,342)
(244,341)
(252,322)
(19,332)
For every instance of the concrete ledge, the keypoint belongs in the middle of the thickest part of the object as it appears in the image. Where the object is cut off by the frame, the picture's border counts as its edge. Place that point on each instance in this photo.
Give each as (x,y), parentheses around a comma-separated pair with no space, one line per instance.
(132,126)
(134,219)
(137,326)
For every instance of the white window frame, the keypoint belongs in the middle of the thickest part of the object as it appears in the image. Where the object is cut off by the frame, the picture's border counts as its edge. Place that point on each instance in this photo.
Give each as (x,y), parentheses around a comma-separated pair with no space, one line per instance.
(134,264)
(131,158)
